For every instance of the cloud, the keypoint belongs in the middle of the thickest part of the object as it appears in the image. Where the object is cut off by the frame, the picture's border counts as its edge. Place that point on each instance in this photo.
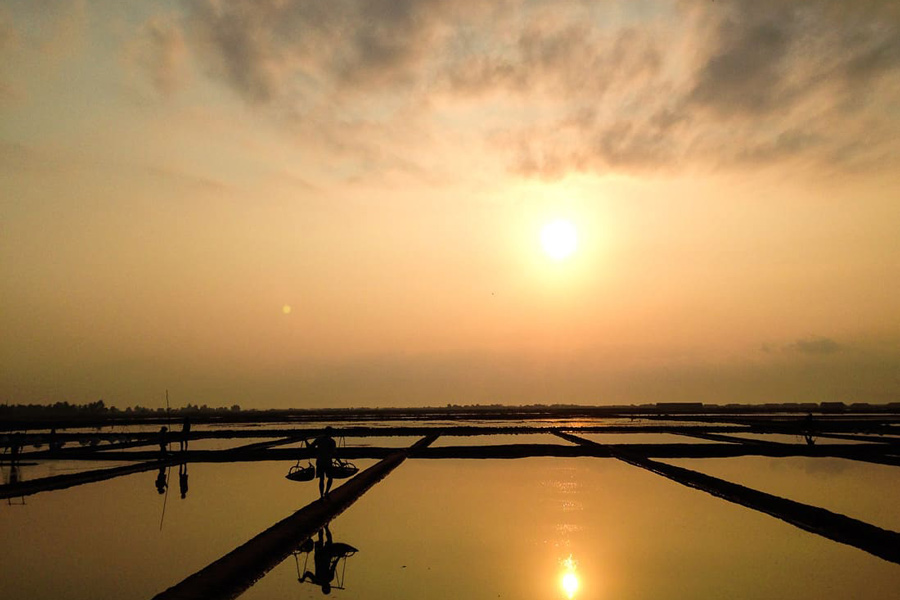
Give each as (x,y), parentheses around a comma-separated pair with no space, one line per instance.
(743,84)
(8,42)
(193,182)
(8,34)
(744,70)
(552,61)
(160,50)
(581,87)
(36,35)
(816,346)
(15,156)
(57,29)
(238,42)
(813,345)
(270,50)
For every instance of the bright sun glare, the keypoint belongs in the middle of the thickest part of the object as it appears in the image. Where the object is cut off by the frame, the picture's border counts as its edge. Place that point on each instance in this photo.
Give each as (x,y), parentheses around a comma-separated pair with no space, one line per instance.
(570,584)
(559,238)
(569,580)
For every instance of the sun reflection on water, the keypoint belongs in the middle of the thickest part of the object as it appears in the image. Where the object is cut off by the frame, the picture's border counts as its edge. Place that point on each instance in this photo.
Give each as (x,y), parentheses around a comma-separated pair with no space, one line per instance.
(569,580)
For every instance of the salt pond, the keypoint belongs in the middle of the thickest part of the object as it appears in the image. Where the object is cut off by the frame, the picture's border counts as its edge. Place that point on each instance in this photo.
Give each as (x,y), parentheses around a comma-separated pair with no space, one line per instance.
(460,529)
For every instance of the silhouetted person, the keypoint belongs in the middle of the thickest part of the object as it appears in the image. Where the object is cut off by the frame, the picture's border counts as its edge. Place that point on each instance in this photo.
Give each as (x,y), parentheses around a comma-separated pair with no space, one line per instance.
(183,479)
(14,474)
(14,449)
(325,447)
(809,429)
(185,430)
(325,560)
(161,481)
(55,443)
(163,442)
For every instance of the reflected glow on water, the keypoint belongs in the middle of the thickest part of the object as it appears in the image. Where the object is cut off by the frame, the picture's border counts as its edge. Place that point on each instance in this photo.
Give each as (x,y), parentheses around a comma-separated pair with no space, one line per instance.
(569,580)
(448,529)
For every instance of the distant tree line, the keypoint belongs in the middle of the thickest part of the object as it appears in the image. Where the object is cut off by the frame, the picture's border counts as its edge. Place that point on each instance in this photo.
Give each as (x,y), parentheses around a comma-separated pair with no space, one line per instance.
(100,411)
(99,408)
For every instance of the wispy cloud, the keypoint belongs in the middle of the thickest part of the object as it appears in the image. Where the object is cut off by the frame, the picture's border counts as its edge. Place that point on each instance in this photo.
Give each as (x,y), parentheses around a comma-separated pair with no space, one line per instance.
(160,50)
(9,38)
(816,346)
(270,50)
(742,83)
(578,87)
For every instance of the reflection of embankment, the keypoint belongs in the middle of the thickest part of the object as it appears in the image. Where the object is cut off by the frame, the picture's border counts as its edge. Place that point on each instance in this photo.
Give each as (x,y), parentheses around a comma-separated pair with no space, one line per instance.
(59,482)
(840,528)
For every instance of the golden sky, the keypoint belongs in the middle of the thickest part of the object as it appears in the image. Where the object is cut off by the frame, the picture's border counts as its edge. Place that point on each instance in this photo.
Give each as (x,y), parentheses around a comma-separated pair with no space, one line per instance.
(175,174)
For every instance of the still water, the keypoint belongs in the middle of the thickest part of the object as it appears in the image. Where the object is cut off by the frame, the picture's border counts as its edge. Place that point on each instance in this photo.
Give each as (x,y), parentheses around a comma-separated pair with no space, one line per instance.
(540,528)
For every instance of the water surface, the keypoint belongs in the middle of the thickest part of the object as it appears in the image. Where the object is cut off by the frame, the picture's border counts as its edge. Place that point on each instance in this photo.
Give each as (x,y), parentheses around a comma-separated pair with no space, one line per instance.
(461,529)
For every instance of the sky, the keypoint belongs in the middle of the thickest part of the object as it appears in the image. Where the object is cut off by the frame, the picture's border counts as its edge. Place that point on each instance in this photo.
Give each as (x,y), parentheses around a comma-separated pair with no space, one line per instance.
(282,203)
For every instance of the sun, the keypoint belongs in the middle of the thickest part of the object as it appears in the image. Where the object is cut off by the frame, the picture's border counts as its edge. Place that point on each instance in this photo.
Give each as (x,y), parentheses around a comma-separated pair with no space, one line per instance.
(559,239)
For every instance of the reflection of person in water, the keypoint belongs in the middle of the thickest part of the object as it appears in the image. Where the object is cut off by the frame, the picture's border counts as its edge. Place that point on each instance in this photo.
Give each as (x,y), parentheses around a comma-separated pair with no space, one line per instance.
(324,447)
(161,481)
(183,479)
(325,558)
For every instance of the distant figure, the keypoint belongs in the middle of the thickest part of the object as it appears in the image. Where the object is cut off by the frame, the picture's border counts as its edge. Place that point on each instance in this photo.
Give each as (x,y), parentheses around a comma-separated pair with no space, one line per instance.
(161,481)
(185,430)
(14,449)
(55,443)
(325,560)
(13,474)
(163,442)
(325,448)
(809,429)
(183,479)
